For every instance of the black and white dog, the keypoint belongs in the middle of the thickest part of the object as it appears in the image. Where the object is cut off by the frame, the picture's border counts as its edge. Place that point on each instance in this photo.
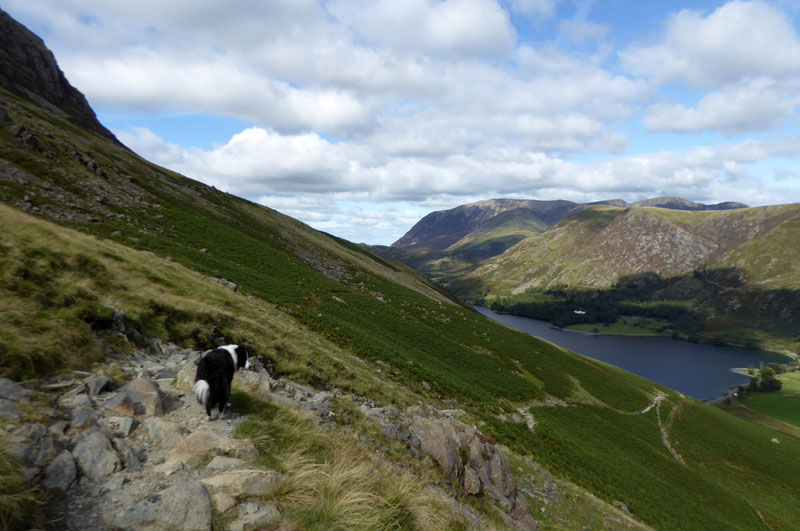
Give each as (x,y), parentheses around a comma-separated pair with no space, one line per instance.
(212,385)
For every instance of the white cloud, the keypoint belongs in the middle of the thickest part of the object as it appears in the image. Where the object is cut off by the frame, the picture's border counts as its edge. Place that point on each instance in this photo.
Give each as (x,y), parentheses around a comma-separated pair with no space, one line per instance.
(457,28)
(739,40)
(756,105)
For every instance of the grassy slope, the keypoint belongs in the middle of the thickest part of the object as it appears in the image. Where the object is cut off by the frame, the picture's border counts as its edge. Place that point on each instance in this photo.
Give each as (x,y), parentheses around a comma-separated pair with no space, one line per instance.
(288,277)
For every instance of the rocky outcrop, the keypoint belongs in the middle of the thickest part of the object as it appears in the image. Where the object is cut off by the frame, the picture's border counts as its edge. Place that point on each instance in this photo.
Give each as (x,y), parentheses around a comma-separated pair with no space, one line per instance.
(473,461)
(29,69)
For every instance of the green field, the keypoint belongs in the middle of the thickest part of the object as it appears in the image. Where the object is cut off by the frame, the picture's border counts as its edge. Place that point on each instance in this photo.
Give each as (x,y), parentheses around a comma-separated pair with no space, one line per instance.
(783,405)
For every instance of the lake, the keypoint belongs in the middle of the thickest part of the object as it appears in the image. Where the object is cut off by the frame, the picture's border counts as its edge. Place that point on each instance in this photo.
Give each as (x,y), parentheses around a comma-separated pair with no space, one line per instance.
(701,371)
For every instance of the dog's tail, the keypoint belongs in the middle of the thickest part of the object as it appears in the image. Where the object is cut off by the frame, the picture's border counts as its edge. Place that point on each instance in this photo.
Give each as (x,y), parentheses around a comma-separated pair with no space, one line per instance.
(202,391)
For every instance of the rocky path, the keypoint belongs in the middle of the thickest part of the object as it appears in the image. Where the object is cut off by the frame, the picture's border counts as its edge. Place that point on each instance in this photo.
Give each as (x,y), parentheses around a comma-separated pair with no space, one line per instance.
(139,457)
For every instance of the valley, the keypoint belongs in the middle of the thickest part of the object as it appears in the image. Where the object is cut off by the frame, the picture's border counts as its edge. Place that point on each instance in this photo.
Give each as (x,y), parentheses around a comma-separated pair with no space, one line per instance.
(381,400)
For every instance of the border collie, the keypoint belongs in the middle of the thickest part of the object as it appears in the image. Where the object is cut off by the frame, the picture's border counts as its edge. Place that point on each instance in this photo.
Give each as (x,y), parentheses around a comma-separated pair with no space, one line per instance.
(212,385)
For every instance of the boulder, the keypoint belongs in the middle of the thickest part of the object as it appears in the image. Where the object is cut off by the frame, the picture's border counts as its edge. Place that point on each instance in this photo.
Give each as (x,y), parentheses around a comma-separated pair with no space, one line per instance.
(9,410)
(185,506)
(85,416)
(471,461)
(166,433)
(98,385)
(95,455)
(220,461)
(32,445)
(13,391)
(193,448)
(185,378)
(244,482)
(61,472)
(143,397)
(222,501)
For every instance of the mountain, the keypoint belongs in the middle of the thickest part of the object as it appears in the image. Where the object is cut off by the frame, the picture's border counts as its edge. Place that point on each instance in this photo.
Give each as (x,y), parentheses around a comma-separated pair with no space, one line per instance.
(28,69)
(380,401)
(729,266)
(445,245)
(676,203)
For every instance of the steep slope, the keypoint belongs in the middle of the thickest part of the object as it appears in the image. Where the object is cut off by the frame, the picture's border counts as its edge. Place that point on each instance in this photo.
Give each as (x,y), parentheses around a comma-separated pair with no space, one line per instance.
(29,69)
(141,254)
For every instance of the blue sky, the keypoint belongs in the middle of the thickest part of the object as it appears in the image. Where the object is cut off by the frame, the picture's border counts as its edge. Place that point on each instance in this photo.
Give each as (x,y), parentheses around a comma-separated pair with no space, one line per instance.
(361,116)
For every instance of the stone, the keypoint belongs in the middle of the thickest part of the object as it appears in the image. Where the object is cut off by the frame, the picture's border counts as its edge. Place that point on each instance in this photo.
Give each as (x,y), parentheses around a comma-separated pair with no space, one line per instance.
(129,457)
(32,445)
(13,391)
(98,385)
(426,386)
(220,461)
(58,428)
(95,456)
(196,446)
(169,467)
(61,472)
(85,416)
(244,482)
(145,396)
(185,378)
(222,501)
(121,404)
(472,483)
(127,425)
(254,514)
(9,410)
(166,433)
(185,506)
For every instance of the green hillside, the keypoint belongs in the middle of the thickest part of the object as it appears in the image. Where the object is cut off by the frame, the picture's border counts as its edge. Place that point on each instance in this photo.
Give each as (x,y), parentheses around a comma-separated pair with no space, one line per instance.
(103,228)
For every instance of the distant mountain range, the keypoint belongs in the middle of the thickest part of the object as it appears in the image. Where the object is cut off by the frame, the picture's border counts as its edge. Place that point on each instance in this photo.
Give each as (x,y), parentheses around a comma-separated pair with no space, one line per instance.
(727,263)
(442,229)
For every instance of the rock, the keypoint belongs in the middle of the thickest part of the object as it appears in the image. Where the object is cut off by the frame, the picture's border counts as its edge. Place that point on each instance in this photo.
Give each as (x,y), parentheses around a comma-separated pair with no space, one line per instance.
(426,385)
(145,397)
(221,461)
(84,417)
(193,448)
(129,457)
(255,514)
(244,482)
(94,454)
(166,433)
(127,425)
(121,404)
(58,428)
(222,501)
(98,385)
(247,379)
(61,472)
(185,378)
(185,506)
(169,467)
(472,462)
(32,445)
(9,410)
(13,391)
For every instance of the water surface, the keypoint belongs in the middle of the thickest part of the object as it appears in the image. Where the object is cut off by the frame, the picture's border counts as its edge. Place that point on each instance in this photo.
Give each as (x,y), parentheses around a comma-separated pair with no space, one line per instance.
(701,371)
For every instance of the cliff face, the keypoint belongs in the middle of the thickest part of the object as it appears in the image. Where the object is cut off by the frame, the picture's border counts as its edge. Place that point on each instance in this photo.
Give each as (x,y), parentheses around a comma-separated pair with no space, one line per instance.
(29,69)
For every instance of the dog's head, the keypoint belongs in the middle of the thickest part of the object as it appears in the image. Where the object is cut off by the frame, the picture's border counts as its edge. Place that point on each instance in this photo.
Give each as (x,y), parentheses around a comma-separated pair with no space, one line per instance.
(241,358)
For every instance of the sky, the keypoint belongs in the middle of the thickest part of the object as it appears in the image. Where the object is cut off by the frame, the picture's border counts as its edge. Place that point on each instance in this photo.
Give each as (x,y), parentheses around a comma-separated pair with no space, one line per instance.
(359,117)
